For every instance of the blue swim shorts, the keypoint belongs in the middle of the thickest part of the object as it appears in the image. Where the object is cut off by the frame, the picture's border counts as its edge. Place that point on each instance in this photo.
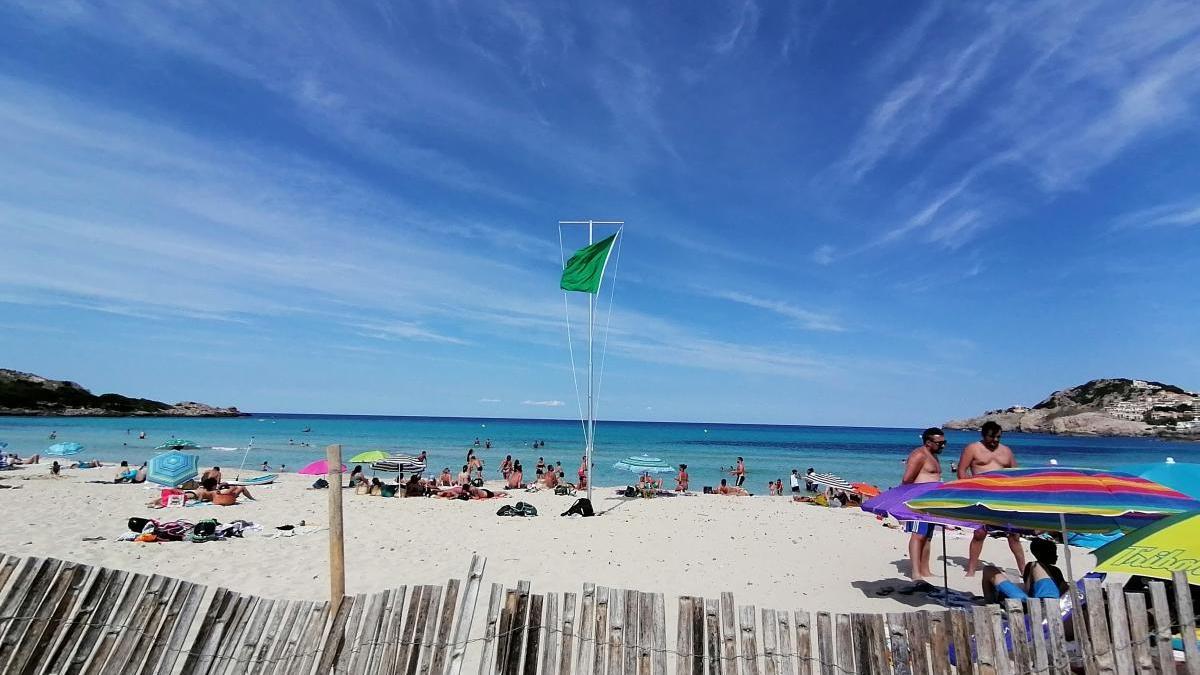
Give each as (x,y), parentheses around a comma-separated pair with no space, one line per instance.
(919,528)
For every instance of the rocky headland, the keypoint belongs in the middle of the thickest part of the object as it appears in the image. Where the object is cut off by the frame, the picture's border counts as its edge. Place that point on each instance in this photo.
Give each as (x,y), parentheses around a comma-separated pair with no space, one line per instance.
(1106,407)
(29,394)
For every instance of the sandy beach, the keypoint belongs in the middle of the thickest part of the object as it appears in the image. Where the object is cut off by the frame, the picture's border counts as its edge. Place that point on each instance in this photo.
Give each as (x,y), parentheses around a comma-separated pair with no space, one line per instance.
(768,551)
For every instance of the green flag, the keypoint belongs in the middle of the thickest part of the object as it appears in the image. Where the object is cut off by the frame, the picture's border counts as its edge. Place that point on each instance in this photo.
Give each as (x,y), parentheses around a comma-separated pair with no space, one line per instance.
(585,269)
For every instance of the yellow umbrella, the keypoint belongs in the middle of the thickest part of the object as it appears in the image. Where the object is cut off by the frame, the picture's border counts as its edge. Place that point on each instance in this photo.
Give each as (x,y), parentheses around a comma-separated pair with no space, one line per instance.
(1156,550)
(368,457)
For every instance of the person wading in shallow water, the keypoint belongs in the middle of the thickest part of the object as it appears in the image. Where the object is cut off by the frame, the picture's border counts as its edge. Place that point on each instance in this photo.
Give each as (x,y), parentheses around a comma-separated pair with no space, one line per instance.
(980,457)
(923,466)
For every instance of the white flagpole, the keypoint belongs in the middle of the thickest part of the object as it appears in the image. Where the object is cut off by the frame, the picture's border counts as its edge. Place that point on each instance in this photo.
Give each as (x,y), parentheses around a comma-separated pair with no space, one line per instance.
(590,430)
(591,425)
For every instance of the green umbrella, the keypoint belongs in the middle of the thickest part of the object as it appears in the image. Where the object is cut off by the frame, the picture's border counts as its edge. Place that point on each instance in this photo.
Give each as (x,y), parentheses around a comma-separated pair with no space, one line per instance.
(368,457)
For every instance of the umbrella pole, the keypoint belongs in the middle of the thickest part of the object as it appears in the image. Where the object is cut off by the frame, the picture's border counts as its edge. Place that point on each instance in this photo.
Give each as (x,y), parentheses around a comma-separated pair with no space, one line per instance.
(244,457)
(1078,621)
(945,572)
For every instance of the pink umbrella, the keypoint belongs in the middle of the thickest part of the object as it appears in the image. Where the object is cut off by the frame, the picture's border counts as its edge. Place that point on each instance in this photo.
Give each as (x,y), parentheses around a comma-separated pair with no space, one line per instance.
(318,468)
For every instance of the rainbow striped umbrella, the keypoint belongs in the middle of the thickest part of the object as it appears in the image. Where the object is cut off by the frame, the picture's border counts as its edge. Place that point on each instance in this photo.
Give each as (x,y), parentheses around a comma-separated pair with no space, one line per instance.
(1056,498)
(1053,498)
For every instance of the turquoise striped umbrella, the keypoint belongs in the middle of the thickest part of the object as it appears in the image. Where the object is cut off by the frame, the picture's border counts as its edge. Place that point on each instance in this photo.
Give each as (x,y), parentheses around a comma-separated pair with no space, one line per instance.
(64,449)
(644,464)
(172,469)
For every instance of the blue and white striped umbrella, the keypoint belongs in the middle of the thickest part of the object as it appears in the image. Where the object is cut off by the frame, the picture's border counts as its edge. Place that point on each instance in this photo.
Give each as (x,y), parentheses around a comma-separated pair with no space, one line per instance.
(398,463)
(64,449)
(172,469)
(644,464)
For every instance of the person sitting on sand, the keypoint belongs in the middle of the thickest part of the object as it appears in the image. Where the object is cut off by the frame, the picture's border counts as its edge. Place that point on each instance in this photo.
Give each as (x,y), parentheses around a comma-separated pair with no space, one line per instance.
(550,479)
(214,472)
(55,469)
(415,487)
(681,479)
(357,477)
(446,479)
(124,473)
(1040,579)
(731,490)
(464,477)
(209,487)
(516,479)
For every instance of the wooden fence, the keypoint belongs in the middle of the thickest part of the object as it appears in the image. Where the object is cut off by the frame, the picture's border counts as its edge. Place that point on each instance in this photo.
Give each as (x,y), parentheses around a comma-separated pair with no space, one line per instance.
(64,617)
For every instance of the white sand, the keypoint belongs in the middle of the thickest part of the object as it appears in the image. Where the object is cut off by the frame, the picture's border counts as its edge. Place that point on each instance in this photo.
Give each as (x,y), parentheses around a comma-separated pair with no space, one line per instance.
(768,551)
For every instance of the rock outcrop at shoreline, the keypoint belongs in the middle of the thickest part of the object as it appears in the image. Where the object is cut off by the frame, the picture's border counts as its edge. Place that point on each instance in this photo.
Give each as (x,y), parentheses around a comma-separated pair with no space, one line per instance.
(29,394)
(1107,407)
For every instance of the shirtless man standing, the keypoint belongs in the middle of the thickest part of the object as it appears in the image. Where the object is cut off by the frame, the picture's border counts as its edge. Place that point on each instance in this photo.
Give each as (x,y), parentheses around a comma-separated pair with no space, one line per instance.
(980,457)
(923,466)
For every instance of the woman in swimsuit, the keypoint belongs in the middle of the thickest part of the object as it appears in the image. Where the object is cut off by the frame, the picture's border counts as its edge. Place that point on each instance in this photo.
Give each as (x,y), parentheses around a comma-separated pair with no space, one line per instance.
(1040,578)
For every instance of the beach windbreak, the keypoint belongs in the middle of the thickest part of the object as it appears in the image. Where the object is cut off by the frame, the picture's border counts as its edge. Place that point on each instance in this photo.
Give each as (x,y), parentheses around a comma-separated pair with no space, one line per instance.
(585,269)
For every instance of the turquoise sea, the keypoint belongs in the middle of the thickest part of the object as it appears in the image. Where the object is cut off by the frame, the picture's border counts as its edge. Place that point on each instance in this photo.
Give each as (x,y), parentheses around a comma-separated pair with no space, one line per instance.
(872,455)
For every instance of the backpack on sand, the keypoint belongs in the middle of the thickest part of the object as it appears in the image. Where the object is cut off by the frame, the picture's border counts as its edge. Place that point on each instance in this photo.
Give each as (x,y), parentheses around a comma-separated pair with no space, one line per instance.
(582,506)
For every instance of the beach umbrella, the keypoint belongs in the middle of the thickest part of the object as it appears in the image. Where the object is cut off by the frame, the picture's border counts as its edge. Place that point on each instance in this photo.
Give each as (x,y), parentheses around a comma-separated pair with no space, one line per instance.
(1056,498)
(368,457)
(866,489)
(893,503)
(64,449)
(318,468)
(398,463)
(1181,476)
(177,444)
(830,481)
(1156,550)
(173,468)
(644,464)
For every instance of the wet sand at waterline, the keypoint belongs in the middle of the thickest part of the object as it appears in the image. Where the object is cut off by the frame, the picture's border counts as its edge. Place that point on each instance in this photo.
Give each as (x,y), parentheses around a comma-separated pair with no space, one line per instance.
(767,551)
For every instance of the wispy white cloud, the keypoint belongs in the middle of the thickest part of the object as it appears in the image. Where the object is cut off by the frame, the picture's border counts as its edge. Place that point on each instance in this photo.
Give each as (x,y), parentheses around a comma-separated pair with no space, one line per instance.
(489,400)
(824,254)
(1069,91)
(1176,214)
(403,330)
(544,404)
(805,318)
(745,24)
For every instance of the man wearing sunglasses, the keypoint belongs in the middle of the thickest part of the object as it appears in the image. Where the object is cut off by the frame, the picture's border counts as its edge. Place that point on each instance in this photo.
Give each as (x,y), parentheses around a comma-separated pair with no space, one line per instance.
(980,457)
(923,466)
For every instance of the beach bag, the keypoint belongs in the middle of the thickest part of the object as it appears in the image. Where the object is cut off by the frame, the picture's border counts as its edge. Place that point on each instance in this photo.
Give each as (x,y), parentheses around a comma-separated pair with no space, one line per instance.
(524,509)
(506,510)
(174,530)
(630,491)
(478,482)
(582,506)
(138,524)
(320,484)
(562,490)
(205,530)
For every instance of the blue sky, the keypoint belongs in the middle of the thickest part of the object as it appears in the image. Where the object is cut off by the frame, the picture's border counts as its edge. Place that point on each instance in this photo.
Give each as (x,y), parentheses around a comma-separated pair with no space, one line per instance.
(838,213)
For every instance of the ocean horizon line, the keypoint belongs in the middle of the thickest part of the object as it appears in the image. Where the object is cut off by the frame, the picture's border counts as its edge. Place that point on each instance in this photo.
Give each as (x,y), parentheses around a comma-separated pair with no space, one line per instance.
(290,415)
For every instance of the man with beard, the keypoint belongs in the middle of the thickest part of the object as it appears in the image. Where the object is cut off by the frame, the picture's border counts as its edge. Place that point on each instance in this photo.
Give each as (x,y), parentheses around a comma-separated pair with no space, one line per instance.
(923,466)
(980,457)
